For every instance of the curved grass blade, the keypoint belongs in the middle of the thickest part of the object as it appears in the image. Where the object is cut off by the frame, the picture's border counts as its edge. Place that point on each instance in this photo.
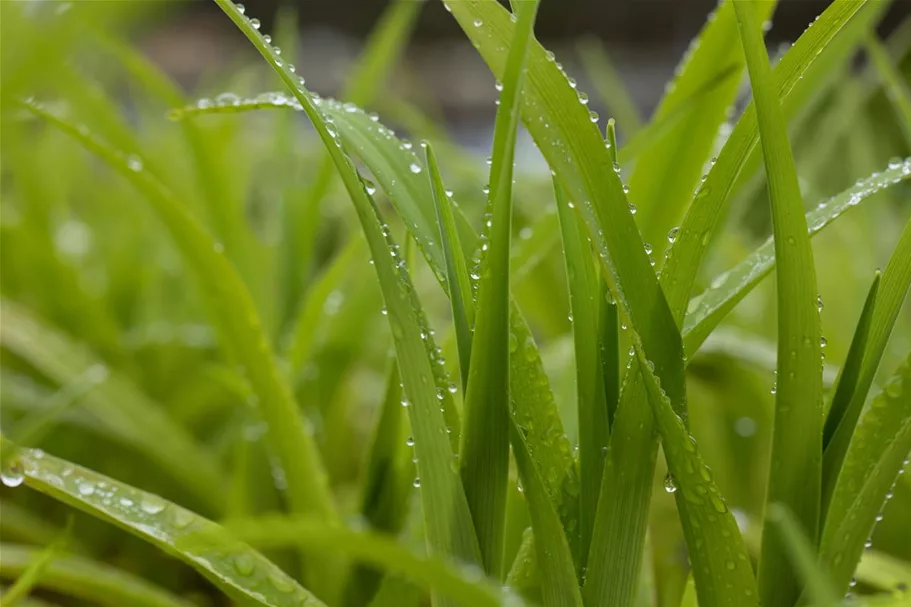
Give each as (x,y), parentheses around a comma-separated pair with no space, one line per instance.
(236,317)
(850,371)
(878,452)
(707,310)
(464,585)
(883,572)
(609,84)
(802,554)
(460,297)
(87,580)
(393,164)
(795,474)
(679,156)
(896,86)
(381,52)
(238,570)
(825,39)
(484,453)
(558,577)
(447,519)
(115,402)
(35,570)
(594,429)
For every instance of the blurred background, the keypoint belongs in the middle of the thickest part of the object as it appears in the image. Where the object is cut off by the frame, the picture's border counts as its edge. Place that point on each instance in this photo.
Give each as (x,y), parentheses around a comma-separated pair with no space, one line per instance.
(100,312)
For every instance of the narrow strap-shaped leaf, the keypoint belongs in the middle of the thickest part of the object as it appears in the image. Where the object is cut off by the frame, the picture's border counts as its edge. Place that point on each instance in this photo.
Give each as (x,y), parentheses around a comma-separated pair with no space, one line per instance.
(36,570)
(795,474)
(679,156)
(850,371)
(585,304)
(484,453)
(464,585)
(379,55)
(879,451)
(609,84)
(460,297)
(609,325)
(116,402)
(802,553)
(88,580)
(708,309)
(558,575)
(235,568)
(897,89)
(447,519)
(893,289)
(236,317)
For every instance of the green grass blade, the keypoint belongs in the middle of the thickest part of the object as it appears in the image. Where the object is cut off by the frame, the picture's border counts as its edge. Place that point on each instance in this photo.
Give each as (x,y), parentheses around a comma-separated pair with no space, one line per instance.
(35,570)
(609,327)
(795,475)
(484,452)
(460,297)
(116,402)
(824,38)
(680,155)
(558,577)
(87,580)
(237,320)
(235,568)
(896,86)
(850,373)
(447,518)
(464,585)
(878,452)
(585,297)
(802,553)
(380,54)
(893,289)
(883,572)
(609,84)
(708,309)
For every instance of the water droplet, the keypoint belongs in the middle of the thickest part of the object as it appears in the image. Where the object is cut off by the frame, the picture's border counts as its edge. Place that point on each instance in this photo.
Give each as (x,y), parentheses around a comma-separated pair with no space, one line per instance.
(417,482)
(632,209)
(85,489)
(478,23)
(135,163)
(648,248)
(415,168)
(281,582)
(513,342)
(151,504)
(244,564)
(672,235)
(819,302)
(255,23)
(670,484)
(410,441)
(823,342)
(404,402)
(12,476)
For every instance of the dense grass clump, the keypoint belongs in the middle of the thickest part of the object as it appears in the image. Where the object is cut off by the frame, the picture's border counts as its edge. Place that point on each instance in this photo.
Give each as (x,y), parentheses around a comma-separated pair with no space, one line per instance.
(265,358)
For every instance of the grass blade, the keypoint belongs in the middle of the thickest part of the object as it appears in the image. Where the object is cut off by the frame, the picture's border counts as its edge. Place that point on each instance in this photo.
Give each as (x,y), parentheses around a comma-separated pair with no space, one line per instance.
(238,322)
(850,372)
(558,577)
(87,580)
(116,402)
(484,453)
(878,452)
(594,430)
(35,570)
(609,84)
(235,568)
(460,297)
(463,585)
(893,288)
(708,309)
(896,86)
(446,516)
(802,554)
(679,156)
(795,475)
